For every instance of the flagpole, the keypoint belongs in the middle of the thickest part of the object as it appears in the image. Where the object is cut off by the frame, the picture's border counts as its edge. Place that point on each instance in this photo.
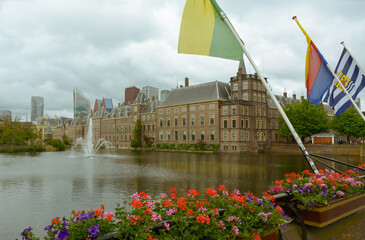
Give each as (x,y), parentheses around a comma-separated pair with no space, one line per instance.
(287,121)
(347,93)
(343,43)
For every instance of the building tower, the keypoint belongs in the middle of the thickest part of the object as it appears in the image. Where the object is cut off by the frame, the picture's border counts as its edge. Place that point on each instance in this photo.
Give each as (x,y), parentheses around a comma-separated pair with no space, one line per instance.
(81,104)
(130,94)
(37,108)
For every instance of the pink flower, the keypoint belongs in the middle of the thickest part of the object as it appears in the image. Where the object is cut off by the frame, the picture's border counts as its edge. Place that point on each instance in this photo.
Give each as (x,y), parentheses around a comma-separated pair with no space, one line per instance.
(340,193)
(170,211)
(167,226)
(163,195)
(156,217)
(236,231)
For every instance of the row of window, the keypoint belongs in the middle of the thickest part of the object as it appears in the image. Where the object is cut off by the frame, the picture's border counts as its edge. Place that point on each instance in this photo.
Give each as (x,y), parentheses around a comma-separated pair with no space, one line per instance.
(148,117)
(183,109)
(121,128)
(184,120)
(245,136)
(244,123)
(194,135)
(256,85)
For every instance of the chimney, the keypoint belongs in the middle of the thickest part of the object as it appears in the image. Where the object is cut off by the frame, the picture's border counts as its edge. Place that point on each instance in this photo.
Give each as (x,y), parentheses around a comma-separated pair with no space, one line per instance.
(302,97)
(285,94)
(294,96)
(181,86)
(186,82)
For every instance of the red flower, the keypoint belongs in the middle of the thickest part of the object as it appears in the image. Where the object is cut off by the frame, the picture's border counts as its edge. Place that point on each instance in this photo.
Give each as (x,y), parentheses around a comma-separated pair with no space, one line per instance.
(172,190)
(190,212)
(166,203)
(210,192)
(193,192)
(203,219)
(151,238)
(255,236)
(55,220)
(136,219)
(98,212)
(148,211)
(345,186)
(181,203)
(279,209)
(136,203)
(222,188)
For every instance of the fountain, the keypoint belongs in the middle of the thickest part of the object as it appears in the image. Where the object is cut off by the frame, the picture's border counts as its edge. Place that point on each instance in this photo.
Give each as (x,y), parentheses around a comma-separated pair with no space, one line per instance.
(89,148)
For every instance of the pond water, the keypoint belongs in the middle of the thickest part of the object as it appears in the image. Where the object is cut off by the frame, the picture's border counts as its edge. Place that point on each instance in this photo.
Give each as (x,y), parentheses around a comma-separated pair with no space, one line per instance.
(36,188)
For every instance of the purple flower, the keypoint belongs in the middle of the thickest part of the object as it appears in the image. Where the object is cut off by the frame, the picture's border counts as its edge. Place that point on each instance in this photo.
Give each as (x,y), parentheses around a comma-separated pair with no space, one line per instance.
(259,201)
(48,228)
(25,233)
(94,230)
(63,234)
(310,203)
(300,191)
(324,189)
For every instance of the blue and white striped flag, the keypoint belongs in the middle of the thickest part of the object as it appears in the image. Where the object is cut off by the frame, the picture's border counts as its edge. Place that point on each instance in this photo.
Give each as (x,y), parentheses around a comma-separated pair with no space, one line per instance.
(353,80)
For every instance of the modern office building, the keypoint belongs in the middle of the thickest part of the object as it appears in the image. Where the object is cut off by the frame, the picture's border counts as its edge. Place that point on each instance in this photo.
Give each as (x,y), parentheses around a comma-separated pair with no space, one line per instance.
(37,108)
(151,93)
(81,104)
(130,94)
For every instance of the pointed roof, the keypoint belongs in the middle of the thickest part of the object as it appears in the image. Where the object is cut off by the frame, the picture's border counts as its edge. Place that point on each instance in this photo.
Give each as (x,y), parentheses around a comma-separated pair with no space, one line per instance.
(242,66)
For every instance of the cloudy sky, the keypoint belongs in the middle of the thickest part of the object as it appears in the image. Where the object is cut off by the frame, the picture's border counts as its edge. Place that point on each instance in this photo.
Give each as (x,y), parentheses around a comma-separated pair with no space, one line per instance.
(49,47)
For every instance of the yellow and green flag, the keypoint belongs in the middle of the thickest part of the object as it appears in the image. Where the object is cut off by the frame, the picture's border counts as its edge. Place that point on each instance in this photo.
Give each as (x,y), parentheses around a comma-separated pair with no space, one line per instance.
(203,32)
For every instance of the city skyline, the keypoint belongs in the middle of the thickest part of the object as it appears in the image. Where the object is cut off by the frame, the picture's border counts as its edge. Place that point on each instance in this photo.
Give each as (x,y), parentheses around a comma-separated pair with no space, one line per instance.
(101,49)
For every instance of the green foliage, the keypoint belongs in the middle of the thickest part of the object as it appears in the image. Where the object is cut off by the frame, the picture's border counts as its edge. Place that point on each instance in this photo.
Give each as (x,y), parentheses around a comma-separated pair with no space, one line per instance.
(216,147)
(350,123)
(66,140)
(57,143)
(35,148)
(306,118)
(137,135)
(18,133)
(171,146)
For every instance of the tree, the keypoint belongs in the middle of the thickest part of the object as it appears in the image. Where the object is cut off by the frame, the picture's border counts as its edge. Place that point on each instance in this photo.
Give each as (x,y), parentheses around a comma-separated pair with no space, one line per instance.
(137,135)
(350,123)
(18,133)
(306,118)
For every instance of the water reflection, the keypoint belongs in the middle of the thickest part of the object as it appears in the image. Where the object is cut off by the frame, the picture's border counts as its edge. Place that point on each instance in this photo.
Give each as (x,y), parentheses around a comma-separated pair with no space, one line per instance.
(34,189)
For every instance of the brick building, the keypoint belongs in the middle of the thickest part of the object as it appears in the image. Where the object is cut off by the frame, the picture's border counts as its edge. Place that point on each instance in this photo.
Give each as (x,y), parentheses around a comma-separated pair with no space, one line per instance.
(237,115)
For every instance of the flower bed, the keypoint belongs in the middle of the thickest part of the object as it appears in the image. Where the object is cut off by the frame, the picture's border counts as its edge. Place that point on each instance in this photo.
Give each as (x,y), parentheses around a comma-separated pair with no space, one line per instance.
(325,197)
(214,214)
(176,215)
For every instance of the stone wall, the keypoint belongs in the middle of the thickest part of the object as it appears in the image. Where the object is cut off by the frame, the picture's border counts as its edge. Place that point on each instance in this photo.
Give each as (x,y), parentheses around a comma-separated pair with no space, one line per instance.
(335,149)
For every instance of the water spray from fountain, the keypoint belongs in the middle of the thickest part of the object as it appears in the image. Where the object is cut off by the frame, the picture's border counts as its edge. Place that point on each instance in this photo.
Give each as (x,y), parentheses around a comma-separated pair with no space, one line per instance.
(89,148)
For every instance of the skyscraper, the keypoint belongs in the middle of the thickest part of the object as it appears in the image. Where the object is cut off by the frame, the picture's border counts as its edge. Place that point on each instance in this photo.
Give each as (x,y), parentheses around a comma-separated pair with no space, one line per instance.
(37,108)
(81,104)
(150,92)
